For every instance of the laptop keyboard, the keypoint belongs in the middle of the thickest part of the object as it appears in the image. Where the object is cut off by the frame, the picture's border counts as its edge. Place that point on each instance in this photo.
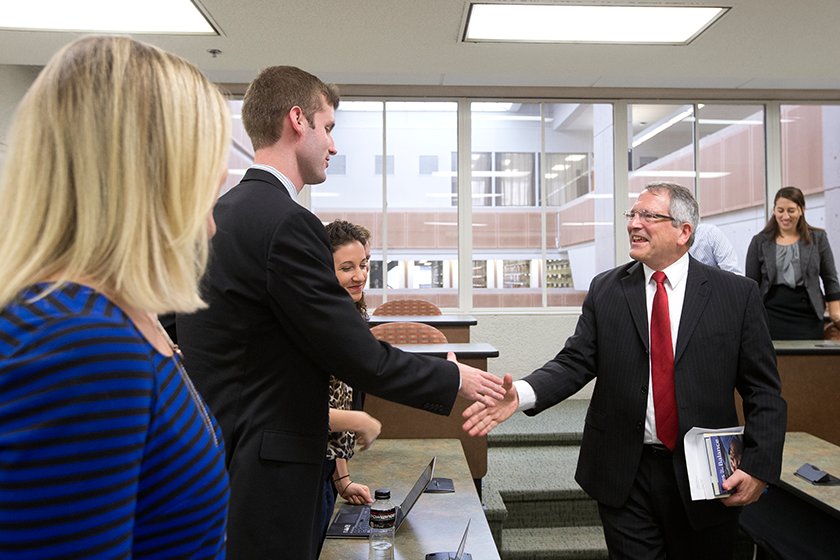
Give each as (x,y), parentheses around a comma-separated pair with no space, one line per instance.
(362,526)
(351,520)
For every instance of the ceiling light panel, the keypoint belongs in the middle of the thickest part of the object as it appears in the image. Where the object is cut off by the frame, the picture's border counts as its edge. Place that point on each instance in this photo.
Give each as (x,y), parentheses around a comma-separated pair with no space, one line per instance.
(119,16)
(547,23)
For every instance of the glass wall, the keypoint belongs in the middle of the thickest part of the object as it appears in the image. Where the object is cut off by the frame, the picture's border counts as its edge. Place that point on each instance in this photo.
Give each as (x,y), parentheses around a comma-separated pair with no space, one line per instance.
(661,145)
(540,190)
(811,162)
(422,213)
(403,196)
(541,213)
(715,150)
(732,172)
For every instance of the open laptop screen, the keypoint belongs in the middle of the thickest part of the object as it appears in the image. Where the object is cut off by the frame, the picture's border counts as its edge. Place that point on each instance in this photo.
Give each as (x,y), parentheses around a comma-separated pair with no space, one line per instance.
(415,492)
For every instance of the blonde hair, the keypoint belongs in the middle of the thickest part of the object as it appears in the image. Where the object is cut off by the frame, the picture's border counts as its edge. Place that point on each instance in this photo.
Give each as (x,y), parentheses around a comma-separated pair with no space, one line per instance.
(114,160)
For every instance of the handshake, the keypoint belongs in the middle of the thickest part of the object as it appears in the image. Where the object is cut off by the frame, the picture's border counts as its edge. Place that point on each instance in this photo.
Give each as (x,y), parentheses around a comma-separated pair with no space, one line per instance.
(495,399)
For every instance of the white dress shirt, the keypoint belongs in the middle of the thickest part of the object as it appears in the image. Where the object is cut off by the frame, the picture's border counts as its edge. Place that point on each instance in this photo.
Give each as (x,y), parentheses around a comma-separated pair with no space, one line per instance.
(280,177)
(675,280)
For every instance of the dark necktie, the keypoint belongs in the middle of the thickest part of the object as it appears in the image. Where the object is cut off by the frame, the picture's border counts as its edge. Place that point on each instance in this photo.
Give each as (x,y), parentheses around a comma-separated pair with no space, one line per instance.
(662,366)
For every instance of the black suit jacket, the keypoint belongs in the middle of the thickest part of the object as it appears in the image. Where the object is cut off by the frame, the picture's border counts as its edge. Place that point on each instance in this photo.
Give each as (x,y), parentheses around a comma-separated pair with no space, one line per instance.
(278,324)
(723,345)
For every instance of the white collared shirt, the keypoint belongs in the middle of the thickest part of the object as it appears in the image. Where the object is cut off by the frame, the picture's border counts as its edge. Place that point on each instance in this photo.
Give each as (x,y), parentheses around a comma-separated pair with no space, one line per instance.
(286,182)
(675,288)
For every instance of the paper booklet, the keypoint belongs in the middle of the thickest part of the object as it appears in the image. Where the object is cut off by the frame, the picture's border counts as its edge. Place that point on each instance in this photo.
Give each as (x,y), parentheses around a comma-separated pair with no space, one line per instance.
(711,457)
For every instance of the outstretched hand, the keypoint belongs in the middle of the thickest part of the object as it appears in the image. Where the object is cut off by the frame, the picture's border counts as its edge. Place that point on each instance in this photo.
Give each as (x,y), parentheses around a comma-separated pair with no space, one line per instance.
(743,489)
(368,430)
(478,385)
(481,419)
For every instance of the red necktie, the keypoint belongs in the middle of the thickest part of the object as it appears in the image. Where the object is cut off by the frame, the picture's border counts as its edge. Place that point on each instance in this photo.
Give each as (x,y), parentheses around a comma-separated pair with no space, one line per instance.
(662,366)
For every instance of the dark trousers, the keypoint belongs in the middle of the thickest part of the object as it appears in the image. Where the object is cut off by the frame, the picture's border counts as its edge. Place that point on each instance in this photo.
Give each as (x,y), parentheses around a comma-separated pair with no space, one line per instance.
(327,500)
(653,524)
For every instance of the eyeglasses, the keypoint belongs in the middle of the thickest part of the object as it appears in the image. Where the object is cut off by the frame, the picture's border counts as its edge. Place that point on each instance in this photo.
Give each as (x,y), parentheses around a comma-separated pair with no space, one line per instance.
(646,216)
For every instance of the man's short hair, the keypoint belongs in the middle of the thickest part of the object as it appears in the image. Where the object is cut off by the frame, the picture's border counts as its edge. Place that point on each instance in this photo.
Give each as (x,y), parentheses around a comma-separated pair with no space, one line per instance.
(683,206)
(274,92)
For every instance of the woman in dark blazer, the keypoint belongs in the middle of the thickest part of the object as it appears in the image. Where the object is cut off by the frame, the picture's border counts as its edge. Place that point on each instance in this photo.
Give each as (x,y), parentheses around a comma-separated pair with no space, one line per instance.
(787,259)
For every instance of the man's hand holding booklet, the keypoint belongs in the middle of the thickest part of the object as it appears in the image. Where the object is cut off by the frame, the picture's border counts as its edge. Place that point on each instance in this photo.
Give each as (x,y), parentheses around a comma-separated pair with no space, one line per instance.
(711,457)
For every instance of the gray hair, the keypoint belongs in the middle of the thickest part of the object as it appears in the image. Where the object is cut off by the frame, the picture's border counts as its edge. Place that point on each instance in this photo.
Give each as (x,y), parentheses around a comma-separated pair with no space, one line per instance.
(683,206)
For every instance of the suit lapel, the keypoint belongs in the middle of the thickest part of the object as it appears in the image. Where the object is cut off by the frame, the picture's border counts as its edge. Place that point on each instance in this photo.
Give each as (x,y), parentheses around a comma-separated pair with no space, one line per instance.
(634,292)
(696,298)
(805,254)
(769,249)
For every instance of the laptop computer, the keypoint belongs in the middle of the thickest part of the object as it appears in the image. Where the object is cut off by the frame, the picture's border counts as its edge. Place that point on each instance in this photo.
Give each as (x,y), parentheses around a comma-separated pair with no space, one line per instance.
(353,522)
(459,554)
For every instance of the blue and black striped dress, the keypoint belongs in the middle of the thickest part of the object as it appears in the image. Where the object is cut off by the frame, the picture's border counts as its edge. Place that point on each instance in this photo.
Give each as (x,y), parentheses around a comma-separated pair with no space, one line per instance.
(106,451)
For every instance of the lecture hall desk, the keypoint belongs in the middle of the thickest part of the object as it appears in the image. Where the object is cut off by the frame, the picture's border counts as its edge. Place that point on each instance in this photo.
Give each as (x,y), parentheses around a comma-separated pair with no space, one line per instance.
(400,421)
(798,520)
(437,521)
(456,328)
(810,375)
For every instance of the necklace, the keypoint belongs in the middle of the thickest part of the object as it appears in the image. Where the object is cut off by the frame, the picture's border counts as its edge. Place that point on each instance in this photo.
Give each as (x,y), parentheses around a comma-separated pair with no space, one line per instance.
(177,357)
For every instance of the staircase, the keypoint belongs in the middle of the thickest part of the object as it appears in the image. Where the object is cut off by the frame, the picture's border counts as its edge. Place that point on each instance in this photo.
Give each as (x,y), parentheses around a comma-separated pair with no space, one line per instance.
(534,507)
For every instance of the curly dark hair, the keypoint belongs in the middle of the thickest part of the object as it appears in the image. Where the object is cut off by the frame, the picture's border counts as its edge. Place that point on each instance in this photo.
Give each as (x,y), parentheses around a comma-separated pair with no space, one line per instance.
(341,233)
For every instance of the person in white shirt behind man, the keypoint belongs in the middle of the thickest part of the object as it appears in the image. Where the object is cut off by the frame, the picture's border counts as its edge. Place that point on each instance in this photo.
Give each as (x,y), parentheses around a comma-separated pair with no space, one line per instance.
(713,248)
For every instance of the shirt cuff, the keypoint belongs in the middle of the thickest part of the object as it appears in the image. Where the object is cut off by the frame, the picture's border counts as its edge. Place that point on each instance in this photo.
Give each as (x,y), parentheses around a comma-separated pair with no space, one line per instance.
(527,397)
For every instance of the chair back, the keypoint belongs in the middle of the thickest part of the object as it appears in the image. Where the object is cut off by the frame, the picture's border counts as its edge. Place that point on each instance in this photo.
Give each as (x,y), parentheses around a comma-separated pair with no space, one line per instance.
(403,422)
(407,332)
(407,307)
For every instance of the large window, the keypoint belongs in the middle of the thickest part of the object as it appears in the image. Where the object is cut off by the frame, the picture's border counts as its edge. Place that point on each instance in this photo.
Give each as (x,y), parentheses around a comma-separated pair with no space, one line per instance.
(404,196)
(661,145)
(539,208)
(732,172)
(715,150)
(811,162)
(539,183)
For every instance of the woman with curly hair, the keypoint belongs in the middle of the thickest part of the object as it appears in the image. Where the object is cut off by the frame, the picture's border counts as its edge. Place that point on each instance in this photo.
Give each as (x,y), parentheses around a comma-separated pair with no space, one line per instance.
(348,425)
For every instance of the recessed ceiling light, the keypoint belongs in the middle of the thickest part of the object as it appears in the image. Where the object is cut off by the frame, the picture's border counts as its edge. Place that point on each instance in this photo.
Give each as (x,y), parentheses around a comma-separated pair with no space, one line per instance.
(547,23)
(120,16)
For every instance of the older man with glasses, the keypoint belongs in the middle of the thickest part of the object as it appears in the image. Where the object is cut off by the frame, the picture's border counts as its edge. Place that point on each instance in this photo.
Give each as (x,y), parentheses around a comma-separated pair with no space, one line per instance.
(669,340)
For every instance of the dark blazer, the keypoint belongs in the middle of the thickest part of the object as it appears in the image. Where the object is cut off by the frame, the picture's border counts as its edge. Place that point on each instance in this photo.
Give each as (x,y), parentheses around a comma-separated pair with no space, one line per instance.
(278,324)
(723,345)
(815,261)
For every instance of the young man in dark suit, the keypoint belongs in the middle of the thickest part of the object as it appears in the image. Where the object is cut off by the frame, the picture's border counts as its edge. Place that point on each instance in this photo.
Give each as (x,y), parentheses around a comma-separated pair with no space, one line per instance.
(661,371)
(278,324)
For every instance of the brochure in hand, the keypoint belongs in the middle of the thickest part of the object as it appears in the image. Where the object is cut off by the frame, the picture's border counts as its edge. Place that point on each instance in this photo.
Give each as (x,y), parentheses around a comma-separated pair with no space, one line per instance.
(711,457)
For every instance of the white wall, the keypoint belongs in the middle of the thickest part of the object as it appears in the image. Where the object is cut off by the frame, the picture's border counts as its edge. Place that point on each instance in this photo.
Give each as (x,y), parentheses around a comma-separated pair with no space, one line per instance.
(14,81)
(525,341)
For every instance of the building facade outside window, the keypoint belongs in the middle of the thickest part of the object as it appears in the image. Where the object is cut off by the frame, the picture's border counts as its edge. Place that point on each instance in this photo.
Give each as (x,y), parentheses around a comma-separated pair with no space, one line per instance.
(540,187)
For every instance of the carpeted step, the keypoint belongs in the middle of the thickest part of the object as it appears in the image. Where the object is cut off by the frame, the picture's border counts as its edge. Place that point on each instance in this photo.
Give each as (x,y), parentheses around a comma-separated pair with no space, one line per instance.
(537,487)
(561,424)
(495,512)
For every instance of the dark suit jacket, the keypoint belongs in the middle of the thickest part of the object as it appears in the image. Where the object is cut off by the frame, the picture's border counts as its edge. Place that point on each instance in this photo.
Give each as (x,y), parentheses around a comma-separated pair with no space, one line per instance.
(815,261)
(277,326)
(723,345)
